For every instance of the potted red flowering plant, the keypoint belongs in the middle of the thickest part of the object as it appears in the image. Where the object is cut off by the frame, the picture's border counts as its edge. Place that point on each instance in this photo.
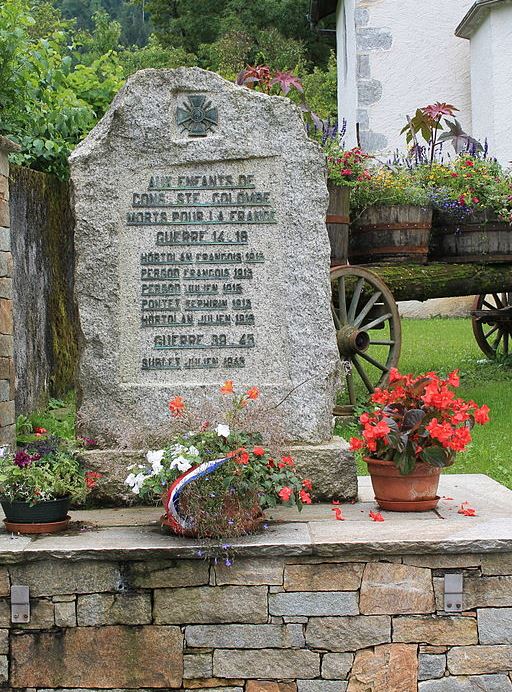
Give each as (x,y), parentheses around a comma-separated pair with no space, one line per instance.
(415,429)
(216,478)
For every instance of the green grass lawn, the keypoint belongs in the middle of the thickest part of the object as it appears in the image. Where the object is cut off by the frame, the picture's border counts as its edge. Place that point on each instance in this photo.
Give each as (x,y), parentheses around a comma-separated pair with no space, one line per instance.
(447,344)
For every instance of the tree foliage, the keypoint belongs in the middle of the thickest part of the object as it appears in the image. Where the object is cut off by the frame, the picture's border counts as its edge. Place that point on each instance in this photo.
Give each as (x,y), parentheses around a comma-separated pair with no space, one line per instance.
(48,100)
(62,61)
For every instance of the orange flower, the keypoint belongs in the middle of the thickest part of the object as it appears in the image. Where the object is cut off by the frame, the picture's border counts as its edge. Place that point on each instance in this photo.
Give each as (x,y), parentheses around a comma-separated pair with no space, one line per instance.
(242,459)
(227,387)
(466,510)
(482,415)
(285,493)
(338,513)
(356,443)
(286,461)
(253,393)
(176,406)
(91,477)
(305,497)
(258,451)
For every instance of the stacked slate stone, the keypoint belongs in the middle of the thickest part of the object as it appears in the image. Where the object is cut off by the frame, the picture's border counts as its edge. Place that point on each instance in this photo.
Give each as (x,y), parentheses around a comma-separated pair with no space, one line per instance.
(282,624)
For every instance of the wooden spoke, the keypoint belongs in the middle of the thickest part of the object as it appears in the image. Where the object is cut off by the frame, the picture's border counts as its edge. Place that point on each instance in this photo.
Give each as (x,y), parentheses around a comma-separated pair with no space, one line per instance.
(497,341)
(369,305)
(374,362)
(365,316)
(336,319)
(497,300)
(355,301)
(493,336)
(342,300)
(378,321)
(351,389)
(363,375)
(491,331)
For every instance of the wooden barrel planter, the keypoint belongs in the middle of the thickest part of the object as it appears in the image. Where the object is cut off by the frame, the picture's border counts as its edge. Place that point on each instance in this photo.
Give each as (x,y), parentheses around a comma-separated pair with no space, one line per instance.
(480,238)
(391,234)
(337,222)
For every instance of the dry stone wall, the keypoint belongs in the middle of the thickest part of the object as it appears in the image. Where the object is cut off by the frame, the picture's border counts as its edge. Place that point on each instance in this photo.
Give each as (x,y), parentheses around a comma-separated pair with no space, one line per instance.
(290,624)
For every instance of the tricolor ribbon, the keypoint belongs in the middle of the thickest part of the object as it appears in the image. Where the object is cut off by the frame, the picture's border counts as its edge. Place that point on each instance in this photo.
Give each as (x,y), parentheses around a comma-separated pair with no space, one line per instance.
(176,520)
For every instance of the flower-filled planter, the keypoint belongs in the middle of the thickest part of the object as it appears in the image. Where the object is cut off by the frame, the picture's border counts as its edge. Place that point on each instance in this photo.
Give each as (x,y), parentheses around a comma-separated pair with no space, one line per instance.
(345,169)
(472,199)
(413,430)
(397,233)
(477,235)
(391,217)
(215,479)
(38,483)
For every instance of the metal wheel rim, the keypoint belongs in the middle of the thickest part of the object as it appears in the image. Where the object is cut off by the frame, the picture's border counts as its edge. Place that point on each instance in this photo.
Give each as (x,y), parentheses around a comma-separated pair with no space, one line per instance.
(369,287)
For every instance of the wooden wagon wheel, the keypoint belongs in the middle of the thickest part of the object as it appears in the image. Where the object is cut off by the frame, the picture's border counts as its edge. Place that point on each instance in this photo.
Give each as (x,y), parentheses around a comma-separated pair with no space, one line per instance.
(368,330)
(492,323)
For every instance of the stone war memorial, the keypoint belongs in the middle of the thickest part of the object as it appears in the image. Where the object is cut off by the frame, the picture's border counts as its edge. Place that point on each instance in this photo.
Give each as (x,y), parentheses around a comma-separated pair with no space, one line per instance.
(202,259)
(202,255)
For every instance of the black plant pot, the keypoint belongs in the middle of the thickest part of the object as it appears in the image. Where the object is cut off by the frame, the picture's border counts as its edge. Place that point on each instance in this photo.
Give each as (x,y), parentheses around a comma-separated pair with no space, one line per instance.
(44,512)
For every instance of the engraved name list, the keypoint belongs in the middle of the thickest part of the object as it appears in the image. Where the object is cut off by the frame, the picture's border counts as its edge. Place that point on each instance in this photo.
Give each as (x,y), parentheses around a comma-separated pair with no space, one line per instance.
(200,266)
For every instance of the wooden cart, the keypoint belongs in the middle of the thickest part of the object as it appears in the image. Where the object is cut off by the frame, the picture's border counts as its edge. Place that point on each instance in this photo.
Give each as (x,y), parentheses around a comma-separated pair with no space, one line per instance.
(367,320)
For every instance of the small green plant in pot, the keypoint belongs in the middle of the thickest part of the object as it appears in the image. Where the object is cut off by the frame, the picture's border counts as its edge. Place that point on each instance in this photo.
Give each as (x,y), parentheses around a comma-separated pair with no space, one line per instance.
(39,481)
(414,429)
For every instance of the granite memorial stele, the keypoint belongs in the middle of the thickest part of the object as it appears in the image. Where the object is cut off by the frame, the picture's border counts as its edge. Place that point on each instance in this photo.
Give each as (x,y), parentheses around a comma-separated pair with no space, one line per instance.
(202,255)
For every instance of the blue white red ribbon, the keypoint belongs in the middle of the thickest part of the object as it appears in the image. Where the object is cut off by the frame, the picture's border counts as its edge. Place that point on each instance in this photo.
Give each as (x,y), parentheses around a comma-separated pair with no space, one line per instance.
(177,521)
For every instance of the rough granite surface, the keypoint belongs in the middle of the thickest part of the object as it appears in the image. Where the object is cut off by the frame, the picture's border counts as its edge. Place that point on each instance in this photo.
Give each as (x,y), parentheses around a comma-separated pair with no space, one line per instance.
(330,466)
(294,360)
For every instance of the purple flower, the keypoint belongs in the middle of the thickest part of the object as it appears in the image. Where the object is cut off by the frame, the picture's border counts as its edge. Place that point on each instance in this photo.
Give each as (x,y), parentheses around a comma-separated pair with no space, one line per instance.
(88,442)
(22,459)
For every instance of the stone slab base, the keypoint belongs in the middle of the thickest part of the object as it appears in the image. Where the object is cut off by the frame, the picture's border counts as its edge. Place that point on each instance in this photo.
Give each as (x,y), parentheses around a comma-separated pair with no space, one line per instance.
(330,466)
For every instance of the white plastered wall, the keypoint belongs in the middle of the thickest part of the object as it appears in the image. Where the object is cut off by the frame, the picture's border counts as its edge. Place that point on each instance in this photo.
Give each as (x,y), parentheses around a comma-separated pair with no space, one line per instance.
(491,81)
(426,62)
(346,58)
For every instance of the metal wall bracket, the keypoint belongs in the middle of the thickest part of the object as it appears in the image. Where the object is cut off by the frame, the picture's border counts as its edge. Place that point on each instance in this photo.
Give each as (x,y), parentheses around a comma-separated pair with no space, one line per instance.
(20,604)
(453,591)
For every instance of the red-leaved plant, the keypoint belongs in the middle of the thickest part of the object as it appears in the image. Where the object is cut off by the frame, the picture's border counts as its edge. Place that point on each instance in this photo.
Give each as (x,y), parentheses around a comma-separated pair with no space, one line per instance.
(418,419)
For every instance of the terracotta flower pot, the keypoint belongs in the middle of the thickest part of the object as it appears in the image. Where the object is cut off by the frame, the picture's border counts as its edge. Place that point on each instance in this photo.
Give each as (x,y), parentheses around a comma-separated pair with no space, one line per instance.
(415,492)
